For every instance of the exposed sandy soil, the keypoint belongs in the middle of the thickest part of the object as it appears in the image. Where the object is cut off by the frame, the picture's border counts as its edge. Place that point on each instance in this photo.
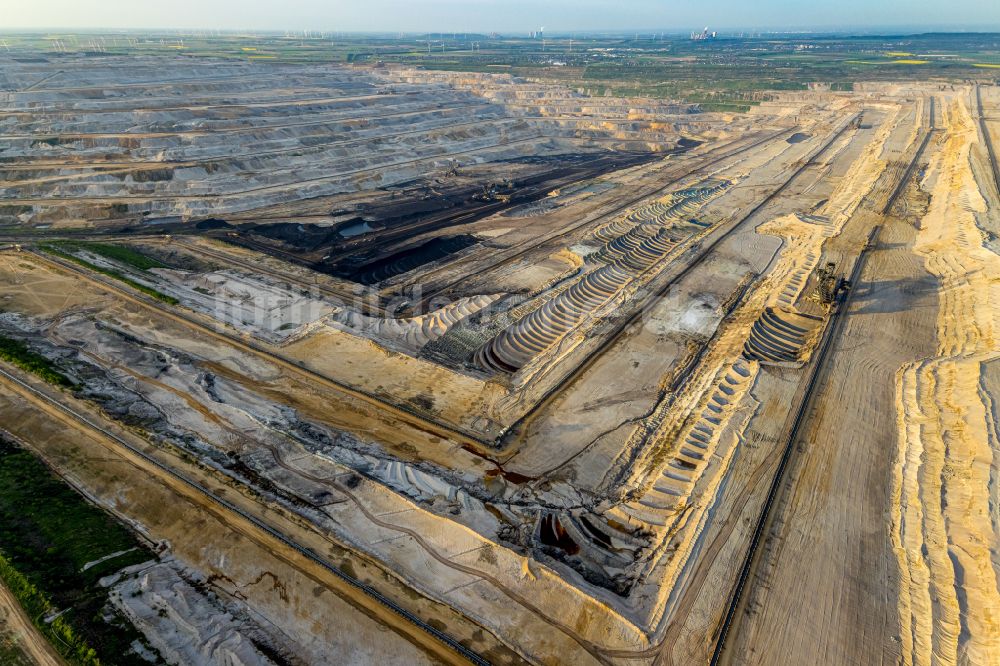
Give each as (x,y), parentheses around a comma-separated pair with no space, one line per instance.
(184,625)
(553,443)
(821,594)
(873,557)
(301,604)
(944,525)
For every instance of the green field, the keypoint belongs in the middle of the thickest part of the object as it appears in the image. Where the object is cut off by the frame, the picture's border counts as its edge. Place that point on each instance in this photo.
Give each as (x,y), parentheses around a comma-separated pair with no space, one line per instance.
(49,535)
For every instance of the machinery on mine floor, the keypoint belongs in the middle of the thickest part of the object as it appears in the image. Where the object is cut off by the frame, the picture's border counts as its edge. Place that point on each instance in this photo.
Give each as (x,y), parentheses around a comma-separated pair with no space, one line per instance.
(492,191)
(830,286)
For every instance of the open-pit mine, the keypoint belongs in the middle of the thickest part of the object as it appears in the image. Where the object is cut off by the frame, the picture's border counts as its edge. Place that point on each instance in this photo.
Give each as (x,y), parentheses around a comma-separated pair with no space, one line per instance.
(380,364)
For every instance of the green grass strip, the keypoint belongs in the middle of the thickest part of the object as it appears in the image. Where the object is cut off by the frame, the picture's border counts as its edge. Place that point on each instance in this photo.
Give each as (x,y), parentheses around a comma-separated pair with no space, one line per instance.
(16,352)
(59,633)
(149,291)
(120,253)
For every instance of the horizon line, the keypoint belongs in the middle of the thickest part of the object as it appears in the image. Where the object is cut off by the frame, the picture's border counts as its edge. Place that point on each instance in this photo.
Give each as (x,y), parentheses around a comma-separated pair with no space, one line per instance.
(887,30)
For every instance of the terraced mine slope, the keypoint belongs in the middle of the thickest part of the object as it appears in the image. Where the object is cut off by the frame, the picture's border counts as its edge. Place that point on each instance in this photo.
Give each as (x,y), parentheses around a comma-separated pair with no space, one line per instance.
(414,366)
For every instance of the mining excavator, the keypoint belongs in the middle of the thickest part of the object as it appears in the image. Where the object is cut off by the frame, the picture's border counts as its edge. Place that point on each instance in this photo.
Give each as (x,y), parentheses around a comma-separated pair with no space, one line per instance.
(495,191)
(830,286)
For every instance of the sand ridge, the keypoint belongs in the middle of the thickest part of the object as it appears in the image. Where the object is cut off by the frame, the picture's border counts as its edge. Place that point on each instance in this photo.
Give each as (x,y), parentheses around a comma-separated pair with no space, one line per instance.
(943,527)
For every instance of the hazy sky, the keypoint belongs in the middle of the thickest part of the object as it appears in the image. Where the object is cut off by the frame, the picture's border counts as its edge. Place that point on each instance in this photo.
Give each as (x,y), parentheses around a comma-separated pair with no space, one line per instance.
(510,16)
